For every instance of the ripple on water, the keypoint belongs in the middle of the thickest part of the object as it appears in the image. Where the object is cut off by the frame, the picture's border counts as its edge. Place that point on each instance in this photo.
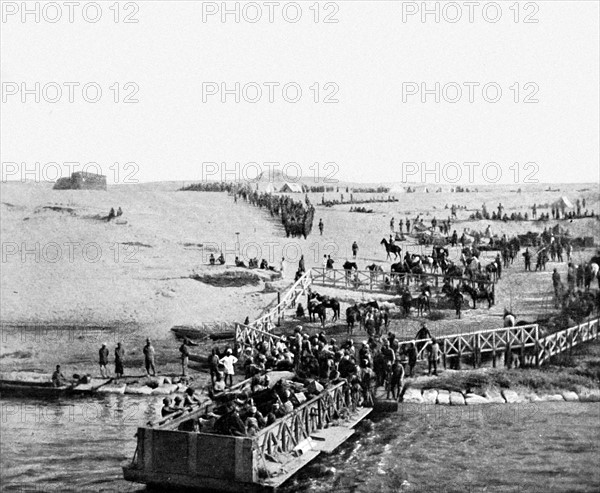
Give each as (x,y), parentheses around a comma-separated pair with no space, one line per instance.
(496,449)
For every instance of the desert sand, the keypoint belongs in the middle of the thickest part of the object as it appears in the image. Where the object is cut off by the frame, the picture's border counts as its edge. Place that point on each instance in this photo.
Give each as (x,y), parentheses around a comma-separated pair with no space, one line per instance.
(64,266)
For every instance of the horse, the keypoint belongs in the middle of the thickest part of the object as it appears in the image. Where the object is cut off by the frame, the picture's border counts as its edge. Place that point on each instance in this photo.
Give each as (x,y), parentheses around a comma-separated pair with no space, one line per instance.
(479,294)
(398,272)
(492,270)
(389,248)
(509,319)
(348,268)
(352,316)
(375,269)
(327,302)
(315,307)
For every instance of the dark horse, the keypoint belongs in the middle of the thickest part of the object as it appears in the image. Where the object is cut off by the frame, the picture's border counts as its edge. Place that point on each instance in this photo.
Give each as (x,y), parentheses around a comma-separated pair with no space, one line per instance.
(326,302)
(479,294)
(317,308)
(349,267)
(352,316)
(389,248)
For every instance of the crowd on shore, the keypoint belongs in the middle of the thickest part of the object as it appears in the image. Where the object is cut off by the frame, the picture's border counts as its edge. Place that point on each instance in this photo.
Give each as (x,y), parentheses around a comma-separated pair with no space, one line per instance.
(149,352)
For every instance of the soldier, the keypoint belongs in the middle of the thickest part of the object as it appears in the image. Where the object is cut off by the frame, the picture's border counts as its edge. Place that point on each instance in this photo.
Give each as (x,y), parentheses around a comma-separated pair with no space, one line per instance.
(103,360)
(149,358)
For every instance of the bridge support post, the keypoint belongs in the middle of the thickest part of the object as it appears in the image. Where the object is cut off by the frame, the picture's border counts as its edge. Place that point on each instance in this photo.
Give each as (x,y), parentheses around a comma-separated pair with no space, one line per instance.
(494,350)
(444,355)
(522,352)
(537,346)
(570,339)
(278,308)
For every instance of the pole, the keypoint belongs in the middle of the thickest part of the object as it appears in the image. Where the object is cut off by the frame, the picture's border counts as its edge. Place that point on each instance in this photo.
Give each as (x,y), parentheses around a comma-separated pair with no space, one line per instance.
(537,346)
(278,308)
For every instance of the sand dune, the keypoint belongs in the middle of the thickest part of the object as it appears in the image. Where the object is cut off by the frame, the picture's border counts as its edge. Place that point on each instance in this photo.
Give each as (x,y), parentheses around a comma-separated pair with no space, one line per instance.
(138,271)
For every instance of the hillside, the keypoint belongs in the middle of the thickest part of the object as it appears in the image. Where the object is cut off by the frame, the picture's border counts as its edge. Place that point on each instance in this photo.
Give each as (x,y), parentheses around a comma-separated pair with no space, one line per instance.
(82,269)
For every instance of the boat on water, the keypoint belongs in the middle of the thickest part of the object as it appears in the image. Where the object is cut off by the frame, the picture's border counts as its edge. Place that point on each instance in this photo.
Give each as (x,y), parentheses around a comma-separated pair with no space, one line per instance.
(194,333)
(32,384)
(170,453)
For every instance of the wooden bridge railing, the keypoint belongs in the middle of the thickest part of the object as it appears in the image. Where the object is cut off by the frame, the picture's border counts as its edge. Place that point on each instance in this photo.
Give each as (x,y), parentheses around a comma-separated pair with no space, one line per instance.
(564,340)
(286,433)
(493,341)
(248,337)
(277,313)
(375,280)
(260,330)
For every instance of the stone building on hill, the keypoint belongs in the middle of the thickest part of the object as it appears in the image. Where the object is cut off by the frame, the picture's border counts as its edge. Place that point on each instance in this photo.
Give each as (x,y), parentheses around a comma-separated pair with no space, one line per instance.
(81,180)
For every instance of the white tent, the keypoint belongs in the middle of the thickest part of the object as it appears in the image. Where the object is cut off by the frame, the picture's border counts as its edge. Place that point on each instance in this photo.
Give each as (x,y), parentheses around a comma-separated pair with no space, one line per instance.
(270,188)
(563,203)
(291,188)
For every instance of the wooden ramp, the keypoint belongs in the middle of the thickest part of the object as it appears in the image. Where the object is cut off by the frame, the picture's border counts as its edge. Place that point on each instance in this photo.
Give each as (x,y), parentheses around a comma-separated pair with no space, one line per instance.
(280,473)
(325,441)
(329,439)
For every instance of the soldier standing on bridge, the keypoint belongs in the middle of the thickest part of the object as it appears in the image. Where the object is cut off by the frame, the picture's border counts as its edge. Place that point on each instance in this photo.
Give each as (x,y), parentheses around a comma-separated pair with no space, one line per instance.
(434,355)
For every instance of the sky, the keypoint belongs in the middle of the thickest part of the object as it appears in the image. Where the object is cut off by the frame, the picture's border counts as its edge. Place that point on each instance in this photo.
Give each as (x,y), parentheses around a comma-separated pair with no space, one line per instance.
(366,110)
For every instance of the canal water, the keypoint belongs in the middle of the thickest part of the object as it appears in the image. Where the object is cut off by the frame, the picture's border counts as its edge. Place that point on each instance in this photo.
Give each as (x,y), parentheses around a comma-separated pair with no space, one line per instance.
(80,445)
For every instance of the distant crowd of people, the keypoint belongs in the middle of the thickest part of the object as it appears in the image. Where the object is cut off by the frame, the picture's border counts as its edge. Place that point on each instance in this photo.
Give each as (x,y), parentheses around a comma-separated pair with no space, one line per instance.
(558,212)
(296,216)
(210,186)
